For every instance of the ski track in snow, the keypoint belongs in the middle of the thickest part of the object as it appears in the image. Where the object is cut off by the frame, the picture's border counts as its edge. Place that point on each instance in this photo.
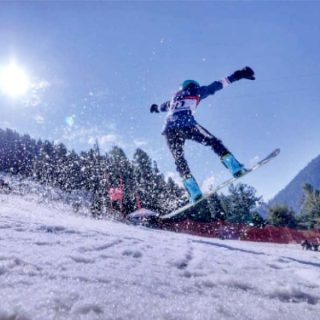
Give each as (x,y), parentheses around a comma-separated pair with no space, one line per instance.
(57,265)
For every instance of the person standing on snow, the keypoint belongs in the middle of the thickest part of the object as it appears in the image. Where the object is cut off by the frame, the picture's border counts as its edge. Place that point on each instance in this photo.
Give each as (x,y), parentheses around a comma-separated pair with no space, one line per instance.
(181,126)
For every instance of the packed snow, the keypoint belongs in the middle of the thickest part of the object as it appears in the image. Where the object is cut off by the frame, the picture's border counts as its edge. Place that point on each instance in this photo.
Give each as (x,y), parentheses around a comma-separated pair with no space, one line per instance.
(57,264)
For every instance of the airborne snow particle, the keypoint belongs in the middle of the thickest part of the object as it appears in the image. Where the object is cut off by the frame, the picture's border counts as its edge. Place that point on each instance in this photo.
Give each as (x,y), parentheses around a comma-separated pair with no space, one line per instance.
(69,121)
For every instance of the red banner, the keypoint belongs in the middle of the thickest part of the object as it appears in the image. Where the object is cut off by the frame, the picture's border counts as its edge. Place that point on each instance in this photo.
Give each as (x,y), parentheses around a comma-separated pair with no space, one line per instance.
(116,194)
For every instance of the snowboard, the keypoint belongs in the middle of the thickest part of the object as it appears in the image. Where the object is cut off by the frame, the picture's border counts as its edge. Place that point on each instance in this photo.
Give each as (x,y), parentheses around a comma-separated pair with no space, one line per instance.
(183,210)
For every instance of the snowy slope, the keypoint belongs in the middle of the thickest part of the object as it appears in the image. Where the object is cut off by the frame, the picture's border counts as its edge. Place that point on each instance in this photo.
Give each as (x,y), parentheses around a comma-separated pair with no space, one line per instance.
(58,265)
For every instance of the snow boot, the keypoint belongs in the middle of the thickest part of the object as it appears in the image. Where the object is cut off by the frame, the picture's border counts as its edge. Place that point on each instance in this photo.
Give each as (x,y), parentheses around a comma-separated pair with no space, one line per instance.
(236,168)
(193,188)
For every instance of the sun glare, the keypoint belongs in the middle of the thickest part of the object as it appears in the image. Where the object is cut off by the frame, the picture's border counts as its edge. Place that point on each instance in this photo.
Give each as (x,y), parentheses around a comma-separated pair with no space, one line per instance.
(14,81)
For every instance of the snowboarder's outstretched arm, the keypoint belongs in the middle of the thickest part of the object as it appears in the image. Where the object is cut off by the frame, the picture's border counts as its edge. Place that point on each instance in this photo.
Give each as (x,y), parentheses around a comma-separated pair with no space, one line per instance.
(163,107)
(205,91)
(245,73)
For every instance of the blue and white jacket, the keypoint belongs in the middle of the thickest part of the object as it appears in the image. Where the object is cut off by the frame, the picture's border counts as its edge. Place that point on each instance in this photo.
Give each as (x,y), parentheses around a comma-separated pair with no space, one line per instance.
(185,102)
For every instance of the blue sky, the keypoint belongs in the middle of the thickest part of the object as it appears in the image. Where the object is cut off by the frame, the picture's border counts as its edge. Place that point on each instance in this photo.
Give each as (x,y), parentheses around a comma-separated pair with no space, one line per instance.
(97,66)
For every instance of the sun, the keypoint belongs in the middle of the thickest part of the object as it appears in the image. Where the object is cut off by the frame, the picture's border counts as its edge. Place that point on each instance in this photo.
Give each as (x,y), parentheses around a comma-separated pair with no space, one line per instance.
(14,81)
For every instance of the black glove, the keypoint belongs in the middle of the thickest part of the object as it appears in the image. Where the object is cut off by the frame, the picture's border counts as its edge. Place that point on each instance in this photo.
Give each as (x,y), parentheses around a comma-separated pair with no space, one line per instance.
(154,108)
(245,73)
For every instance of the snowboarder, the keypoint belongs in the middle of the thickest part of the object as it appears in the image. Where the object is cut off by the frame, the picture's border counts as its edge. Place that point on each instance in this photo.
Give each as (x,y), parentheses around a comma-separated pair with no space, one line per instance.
(181,125)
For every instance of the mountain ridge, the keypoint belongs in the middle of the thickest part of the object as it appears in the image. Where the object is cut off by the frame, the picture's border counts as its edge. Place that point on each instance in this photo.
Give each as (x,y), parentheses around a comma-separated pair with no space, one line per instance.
(292,194)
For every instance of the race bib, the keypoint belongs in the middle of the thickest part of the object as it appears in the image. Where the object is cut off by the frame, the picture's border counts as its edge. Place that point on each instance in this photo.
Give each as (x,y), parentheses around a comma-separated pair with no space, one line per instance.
(188,103)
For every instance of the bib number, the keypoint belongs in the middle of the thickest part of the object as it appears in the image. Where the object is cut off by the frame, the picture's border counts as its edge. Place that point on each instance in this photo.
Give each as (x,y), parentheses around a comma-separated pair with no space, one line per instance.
(185,104)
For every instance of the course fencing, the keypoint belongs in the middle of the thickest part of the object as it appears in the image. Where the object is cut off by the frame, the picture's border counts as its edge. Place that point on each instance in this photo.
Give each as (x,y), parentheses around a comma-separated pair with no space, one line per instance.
(225,230)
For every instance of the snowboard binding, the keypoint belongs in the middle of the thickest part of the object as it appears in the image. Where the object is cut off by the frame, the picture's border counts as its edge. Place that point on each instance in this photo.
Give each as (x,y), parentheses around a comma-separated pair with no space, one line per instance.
(235,167)
(193,188)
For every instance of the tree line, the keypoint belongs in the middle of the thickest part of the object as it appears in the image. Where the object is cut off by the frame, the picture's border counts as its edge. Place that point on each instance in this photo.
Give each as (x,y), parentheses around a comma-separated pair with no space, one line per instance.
(309,216)
(242,203)
(141,182)
(53,164)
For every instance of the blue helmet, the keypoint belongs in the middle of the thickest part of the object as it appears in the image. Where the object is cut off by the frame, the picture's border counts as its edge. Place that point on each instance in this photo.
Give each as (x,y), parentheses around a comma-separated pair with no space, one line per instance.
(189,83)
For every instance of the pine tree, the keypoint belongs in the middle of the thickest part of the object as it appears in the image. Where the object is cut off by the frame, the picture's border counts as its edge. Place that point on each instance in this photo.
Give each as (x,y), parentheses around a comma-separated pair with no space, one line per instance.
(175,196)
(257,220)
(145,179)
(120,171)
(310,209)
(282,216)
(239,204)
(215,206)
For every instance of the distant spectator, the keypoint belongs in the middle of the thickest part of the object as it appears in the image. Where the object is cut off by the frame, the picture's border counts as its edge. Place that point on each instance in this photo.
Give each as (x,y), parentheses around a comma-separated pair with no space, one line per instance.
(306,245)
(4,187)
(76,206)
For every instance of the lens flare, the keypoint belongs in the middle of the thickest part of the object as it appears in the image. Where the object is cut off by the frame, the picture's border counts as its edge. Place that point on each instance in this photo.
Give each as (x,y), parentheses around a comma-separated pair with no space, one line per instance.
(69,121)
